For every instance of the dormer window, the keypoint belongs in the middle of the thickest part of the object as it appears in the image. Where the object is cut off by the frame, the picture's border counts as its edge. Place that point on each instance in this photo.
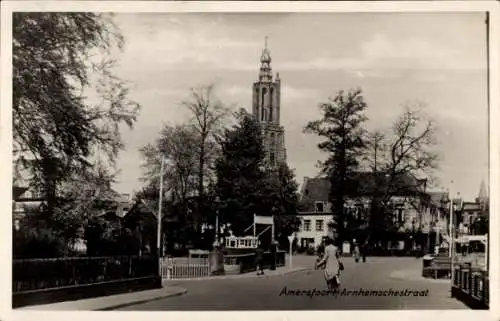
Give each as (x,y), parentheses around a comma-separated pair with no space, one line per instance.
(319,207)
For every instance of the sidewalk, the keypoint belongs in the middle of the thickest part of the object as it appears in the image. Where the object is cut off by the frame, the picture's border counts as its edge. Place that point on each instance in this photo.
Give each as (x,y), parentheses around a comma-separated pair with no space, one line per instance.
(110,302)
(169,290)
(415,275)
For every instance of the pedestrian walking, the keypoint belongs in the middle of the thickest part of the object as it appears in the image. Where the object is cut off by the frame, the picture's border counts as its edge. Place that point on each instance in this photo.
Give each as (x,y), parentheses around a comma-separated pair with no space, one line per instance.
(356,252)
(331,265)
(259,259)
(363,250)
(320,253)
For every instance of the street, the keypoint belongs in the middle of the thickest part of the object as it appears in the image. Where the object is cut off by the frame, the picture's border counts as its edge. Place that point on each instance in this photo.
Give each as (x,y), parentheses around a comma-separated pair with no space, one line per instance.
(377,274)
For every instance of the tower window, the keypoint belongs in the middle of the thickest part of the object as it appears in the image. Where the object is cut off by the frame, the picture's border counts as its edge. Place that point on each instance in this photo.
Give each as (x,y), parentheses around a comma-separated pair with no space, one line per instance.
(272,158)
(263,104)
(271,106)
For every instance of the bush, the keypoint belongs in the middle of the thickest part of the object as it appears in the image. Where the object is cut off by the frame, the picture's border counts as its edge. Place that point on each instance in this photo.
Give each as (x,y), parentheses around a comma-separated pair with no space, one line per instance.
(31,242)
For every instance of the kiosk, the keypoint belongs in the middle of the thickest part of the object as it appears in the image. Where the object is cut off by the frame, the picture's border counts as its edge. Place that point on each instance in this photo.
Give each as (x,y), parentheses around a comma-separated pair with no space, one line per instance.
(251,242)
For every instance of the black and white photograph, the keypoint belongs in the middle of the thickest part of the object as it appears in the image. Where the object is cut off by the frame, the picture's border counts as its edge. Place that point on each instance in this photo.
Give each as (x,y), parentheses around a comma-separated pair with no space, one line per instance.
(182,159)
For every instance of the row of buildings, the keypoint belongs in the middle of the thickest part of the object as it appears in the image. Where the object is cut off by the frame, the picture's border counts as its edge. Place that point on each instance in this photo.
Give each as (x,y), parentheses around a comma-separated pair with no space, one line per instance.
(415,212)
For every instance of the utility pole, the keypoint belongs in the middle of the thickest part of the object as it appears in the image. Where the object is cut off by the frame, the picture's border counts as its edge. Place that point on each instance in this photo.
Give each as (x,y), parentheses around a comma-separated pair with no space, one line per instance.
(450,220)
(452,240)
(159,216)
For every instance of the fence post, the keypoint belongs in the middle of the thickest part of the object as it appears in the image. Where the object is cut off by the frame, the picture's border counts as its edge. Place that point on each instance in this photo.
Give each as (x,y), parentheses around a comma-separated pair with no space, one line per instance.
(469,281)
(486,288)
(130,266)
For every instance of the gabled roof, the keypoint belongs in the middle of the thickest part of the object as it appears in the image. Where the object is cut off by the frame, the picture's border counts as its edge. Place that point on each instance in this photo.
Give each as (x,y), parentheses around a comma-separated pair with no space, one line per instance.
(483,191)
(366,183)
(316,189)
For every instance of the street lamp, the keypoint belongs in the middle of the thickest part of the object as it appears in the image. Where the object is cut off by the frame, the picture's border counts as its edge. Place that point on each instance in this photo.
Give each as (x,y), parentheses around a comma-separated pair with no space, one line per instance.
(159,216)
(274,244)
(217,202)
(452,240)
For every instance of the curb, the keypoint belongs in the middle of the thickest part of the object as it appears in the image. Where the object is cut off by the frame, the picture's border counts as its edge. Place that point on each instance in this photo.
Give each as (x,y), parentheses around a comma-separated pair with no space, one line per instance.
(238,277)
(286,272)
(127,304)
(402,276)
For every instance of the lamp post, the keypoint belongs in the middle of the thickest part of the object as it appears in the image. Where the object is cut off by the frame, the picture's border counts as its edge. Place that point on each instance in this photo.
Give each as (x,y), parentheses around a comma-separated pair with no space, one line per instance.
(438,230)
(217,202)
(273,241)
(452,240)
(159,218)
(425,208)
(413,237)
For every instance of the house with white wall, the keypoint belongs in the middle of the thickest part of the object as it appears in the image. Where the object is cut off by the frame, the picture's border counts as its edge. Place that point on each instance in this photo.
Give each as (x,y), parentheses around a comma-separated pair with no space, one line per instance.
(416,211)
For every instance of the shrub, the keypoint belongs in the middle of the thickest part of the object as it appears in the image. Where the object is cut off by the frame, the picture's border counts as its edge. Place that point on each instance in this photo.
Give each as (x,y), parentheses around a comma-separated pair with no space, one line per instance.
(41,242)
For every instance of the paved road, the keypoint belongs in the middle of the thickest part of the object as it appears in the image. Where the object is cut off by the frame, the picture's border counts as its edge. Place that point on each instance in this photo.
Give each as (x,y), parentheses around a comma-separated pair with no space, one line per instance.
(264,293)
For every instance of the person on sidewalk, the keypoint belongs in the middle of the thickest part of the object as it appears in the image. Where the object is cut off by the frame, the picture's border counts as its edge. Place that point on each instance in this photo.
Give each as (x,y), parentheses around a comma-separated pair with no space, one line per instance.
(259,259)
(356,252)
(363,249)
(320,252)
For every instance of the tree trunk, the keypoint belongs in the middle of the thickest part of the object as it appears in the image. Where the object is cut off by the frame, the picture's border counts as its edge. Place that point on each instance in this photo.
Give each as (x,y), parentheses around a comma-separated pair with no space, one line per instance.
(201,191)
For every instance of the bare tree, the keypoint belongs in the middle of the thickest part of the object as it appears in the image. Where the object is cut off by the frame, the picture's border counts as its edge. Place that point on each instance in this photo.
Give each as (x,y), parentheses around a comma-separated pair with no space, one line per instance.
(411,149)
(408,154)
(375,150)
(177,143)
(208,115)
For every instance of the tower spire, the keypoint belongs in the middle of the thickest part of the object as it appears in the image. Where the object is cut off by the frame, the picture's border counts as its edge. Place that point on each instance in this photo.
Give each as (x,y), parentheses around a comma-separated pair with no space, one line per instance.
(483,193)
(265,68)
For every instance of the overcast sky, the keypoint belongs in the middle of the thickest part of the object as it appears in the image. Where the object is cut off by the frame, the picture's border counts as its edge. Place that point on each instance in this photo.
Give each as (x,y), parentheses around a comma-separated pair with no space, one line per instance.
(395,58)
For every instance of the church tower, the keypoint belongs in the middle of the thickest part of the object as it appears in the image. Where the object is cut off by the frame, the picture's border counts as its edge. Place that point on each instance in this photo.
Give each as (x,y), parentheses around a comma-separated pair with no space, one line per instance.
(266,106)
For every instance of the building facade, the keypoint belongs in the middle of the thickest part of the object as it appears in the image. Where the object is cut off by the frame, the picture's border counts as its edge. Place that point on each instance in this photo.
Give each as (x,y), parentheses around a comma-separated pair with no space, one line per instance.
(266,108)
(414,212)
(313,228)
(472,217)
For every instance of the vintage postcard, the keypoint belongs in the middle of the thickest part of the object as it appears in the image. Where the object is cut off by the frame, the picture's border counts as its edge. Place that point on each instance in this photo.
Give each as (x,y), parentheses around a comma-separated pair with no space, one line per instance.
(248,156)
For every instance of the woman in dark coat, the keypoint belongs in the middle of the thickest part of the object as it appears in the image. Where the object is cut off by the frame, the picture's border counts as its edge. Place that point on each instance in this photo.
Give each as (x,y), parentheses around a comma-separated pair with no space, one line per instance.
(259,259)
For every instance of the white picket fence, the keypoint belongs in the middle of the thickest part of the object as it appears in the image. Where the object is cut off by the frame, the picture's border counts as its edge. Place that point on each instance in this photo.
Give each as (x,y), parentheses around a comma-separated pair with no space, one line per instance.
(175,268)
